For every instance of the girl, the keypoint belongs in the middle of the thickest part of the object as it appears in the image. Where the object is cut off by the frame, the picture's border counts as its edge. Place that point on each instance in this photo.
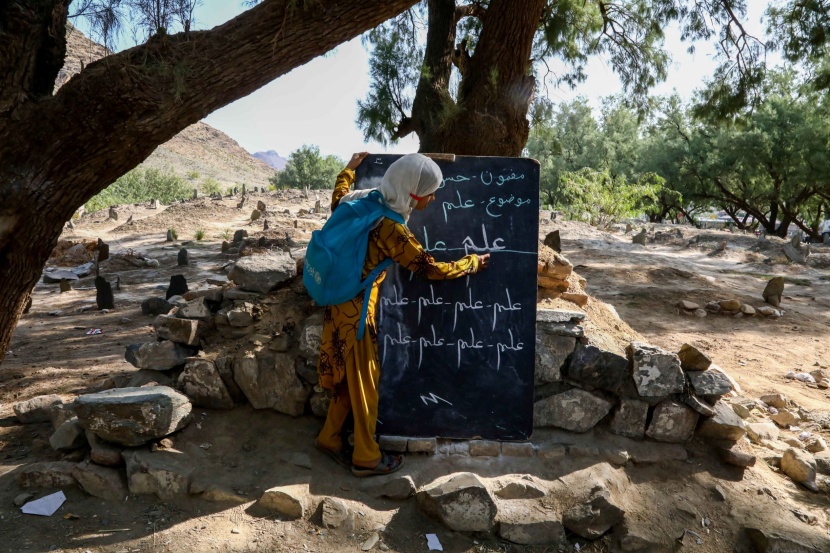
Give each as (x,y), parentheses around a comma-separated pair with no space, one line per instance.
(349,367)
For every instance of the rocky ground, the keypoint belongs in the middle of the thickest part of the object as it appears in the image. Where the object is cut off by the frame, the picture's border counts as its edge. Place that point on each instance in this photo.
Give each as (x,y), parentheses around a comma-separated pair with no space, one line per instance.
(247,479)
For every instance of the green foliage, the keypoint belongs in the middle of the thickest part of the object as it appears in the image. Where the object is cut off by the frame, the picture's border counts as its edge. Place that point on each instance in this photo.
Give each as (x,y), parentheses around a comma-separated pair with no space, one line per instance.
(192,175)
(308,169)
(211,186)
(200,234)
(140,185)
(174,233)
(226,234)
(602,200)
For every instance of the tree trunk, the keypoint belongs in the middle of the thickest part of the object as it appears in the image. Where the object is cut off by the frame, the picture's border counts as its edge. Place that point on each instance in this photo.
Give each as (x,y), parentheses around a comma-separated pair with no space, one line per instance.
(59,150)
(490,115)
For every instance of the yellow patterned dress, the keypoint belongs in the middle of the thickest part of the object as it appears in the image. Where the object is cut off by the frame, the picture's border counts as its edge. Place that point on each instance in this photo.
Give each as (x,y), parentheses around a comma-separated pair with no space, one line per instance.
(351,368)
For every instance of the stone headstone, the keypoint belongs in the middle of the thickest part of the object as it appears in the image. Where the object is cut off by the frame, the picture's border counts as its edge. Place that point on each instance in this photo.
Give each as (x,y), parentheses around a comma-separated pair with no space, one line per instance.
(239,235)
(103,294)
(260,205)
(113,214)
(103,251)
(154,204)
(255,214)
(195,193)
(178,286)
(65,287)
(773,291)
(183,257)
(170,235)
(553,241)
(265,225)
(640,238)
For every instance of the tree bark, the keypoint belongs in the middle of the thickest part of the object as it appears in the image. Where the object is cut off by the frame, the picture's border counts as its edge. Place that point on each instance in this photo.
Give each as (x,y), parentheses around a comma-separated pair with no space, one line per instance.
(57,151)
(490,114)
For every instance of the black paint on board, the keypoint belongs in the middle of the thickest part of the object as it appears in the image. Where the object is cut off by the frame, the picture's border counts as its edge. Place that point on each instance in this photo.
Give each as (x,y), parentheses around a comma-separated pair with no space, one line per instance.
(457,357)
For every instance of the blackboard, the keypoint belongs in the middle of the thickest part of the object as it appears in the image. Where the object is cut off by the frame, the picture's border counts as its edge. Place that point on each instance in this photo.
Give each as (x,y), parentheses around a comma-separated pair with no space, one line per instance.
(457,357)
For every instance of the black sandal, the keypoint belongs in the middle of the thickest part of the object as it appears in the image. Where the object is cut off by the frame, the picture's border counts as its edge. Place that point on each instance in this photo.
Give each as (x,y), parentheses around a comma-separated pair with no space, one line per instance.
(342,457)
(387,465)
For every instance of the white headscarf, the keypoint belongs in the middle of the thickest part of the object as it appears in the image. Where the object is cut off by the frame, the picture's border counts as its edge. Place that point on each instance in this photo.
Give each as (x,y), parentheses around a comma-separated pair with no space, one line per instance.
(412,174)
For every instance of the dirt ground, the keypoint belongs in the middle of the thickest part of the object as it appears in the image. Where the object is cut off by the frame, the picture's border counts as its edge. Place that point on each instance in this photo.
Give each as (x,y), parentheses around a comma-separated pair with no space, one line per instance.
(51,353)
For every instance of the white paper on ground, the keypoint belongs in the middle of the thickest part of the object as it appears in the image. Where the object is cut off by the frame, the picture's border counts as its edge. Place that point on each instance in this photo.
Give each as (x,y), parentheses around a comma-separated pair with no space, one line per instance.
(45,506)
(433,543)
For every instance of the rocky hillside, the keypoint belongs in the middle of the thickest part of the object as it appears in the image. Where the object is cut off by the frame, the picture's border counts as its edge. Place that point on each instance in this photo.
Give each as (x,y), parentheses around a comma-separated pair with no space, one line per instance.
(272,158)
(197,149)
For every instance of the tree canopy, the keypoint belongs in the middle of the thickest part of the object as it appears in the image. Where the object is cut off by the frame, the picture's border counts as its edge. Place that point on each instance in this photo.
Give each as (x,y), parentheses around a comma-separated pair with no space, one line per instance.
(436,67)
(765,167)
(309,170)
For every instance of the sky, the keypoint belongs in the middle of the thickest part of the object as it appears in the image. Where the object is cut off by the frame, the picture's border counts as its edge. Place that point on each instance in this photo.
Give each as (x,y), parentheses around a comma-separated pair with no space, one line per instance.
(317,103)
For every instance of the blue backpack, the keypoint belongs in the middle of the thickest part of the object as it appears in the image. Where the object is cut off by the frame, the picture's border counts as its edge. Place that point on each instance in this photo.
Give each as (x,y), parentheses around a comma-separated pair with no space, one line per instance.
(335,255)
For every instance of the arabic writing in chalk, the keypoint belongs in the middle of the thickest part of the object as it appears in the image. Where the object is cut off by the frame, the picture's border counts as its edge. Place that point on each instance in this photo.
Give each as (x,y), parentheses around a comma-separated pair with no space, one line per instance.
(485,177)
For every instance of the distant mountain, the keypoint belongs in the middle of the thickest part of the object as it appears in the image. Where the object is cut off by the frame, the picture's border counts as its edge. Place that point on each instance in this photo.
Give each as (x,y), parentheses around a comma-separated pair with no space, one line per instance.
(272,158)
(199,148)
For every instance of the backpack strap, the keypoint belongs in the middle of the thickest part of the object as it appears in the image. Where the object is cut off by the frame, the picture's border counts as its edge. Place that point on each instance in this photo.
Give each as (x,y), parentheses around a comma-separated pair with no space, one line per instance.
(382,266)
(367,293)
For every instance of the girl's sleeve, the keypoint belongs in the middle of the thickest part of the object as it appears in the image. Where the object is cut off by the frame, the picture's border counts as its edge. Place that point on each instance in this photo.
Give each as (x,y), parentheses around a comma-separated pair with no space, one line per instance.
(398,242)
(342,186)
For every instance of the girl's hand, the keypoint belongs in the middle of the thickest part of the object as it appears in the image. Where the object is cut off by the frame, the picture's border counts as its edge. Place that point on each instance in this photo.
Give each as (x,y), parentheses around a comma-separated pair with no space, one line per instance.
(483,261)
(356,160)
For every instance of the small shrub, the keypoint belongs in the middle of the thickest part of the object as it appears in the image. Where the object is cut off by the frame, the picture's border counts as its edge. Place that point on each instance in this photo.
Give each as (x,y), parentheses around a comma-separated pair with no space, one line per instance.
(211,186)
(174,233)
(200,234)
(226,234)
(192,175)
(141,185)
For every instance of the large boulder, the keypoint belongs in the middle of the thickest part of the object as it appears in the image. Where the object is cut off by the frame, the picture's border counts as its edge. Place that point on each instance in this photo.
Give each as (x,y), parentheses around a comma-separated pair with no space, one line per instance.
(158,356)
(133,416)
(595,517)
(709,383)
(725,425)
(182,331)
(271,382)
(311,336)
(526,525)
(800,466)
(56,474)
(461,502)
(592,367)
(166,474)
(195,309)
(551,354)
(672,422)
(692,359)
(104,482)
(262,273)
(36,409)
(290,501)
(656,372)
(630,419)
(575,410)
(200,381)
(68,436)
